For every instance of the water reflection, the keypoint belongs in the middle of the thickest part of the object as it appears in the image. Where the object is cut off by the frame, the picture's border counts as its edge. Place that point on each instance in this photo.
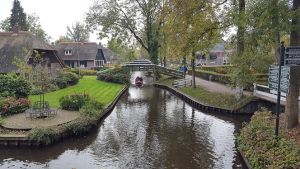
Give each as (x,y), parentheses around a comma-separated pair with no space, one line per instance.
(149,128)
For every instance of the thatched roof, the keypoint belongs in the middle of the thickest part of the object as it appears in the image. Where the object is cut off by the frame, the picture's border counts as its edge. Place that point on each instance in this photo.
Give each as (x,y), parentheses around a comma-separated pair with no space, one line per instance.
(13,44)
(83,50)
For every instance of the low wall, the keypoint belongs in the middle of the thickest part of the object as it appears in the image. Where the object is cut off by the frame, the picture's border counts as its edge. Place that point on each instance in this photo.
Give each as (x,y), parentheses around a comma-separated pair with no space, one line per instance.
(27,142)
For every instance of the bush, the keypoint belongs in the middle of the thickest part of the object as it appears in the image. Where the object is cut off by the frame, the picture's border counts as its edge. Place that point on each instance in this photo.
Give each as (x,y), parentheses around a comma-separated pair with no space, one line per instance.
(42,134)
(11,105)
(91,109)
(12,85)
(66,79)
(117,75)
(257,141)
(73,102)
(80,126)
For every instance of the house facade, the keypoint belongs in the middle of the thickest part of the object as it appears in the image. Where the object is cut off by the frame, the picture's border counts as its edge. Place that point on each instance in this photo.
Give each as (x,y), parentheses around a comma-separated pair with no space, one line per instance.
(217,55)
(23,46)
(86,55)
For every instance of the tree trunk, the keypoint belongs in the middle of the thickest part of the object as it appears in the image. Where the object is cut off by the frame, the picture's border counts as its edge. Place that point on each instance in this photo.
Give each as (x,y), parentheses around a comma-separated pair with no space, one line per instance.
(241,29)
(276,35)
(193,69)
(295,33)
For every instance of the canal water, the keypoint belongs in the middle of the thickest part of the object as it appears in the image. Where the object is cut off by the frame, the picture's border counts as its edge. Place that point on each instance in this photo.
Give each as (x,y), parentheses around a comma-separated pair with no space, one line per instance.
(148,128)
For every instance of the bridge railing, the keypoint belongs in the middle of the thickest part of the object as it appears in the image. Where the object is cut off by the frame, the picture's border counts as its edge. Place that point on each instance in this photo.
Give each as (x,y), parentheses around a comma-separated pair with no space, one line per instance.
(267,92)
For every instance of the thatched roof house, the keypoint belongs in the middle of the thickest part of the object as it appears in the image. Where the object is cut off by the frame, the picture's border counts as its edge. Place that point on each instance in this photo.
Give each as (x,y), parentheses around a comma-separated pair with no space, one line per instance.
(12,44)
(85,54)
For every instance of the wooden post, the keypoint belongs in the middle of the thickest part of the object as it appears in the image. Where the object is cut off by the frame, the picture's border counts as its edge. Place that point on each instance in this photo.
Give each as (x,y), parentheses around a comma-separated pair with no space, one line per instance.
(292,98)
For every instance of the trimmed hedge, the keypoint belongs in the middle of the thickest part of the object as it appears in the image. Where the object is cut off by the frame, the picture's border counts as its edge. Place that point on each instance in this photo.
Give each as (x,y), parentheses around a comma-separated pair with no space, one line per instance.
(13,85)
(257,142)
(83,72)
(73,102)
(226,78)
(117,75)
(66,79)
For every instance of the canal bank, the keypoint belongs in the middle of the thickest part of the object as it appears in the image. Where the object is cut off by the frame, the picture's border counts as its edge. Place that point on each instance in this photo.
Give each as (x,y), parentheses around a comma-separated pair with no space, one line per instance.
(148,128)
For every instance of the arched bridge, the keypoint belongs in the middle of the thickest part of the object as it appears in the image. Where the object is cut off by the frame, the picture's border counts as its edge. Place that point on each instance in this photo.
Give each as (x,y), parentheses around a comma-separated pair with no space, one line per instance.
(147,65)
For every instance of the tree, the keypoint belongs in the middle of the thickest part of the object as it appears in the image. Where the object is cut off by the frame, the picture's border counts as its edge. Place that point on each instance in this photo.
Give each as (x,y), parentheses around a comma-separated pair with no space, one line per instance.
(295,33)
(190,26)
(5,24)
(127,20)
(79,32)
(123,52)
(62,39)
(18,17)
(35,27)
(257,40)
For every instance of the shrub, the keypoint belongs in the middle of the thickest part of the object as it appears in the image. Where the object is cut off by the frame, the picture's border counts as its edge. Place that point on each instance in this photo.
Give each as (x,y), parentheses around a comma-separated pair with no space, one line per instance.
(73,102)
(91,109)
(42,134)
(80,126)
(11,105)
(66,79)
(257,141)
(12,85)
(116,75)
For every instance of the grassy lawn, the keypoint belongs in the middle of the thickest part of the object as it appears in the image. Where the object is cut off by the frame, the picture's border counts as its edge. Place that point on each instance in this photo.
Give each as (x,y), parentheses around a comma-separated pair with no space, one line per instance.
(215,99)
(220,100)
(101,91)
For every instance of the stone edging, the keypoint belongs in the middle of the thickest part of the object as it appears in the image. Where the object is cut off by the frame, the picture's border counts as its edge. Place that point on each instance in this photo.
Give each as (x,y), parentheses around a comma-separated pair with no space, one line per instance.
(245,159)
(197,104)
(25,141)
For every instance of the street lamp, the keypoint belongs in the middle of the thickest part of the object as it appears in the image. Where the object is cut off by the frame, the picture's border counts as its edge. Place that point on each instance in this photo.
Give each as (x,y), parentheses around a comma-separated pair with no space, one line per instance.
(78,63)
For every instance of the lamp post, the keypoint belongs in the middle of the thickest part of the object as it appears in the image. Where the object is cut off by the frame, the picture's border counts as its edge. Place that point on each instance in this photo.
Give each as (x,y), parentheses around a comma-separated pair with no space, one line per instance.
(78,63)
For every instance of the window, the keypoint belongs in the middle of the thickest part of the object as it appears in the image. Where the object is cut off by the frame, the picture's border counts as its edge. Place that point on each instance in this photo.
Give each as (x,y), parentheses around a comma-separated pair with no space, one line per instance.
(68,52)
(99,63)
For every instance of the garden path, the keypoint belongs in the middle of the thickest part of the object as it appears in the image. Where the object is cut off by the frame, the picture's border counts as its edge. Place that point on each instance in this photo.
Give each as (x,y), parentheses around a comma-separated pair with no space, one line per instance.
(214,86)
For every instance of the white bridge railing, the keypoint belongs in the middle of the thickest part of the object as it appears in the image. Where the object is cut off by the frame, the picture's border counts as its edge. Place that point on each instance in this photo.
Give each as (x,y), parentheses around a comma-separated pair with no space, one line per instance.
(262,90)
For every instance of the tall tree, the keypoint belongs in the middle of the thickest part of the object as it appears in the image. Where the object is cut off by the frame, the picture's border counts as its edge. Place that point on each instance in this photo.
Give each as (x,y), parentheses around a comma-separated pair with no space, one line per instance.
(295,33)
(123,52)
(191,26)
(35,27)
(18,17)
(127,20)
(79,32)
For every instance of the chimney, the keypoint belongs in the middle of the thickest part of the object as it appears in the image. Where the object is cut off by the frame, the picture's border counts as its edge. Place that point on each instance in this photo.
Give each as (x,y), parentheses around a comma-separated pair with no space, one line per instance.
(16,29)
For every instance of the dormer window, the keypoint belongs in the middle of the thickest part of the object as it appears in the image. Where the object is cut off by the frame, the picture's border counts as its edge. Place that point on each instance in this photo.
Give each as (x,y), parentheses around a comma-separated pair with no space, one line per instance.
(68,52)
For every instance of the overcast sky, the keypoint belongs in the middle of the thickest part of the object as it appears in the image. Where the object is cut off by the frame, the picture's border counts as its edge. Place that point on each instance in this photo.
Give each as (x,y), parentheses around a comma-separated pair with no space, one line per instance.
(55,15)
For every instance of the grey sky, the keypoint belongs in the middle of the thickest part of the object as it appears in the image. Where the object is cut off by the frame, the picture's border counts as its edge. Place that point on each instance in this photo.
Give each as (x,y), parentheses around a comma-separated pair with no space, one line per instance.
(55,15)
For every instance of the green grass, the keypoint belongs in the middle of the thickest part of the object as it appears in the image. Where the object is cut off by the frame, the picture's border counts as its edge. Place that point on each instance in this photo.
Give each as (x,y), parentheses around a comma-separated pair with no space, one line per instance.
(226,101)
(103,92)
(215,99)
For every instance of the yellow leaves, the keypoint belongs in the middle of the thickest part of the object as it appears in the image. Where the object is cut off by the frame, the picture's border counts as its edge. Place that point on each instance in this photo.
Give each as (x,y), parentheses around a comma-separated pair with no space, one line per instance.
(189,26)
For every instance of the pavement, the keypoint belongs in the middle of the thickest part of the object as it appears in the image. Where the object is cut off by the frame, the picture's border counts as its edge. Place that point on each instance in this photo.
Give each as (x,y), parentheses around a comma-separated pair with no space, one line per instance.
(20,121)
(215,87)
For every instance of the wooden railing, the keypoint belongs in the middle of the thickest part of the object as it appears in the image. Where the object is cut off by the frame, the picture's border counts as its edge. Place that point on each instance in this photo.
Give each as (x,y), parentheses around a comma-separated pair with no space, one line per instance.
(148,66)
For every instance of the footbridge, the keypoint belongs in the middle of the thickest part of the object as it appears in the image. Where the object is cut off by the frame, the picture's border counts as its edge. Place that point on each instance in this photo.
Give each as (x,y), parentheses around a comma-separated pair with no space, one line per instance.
(147,65)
